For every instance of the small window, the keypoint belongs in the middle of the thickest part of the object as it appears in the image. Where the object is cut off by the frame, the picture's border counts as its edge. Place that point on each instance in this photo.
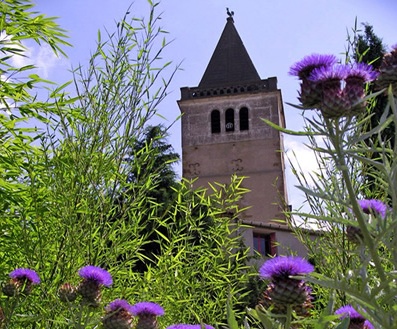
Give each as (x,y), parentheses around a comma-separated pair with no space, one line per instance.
(265,243)
(215,122)
(244,122)
(229,120)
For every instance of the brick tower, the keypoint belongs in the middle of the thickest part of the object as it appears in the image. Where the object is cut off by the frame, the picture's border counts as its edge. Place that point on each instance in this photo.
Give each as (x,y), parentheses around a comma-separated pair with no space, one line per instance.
(222,134)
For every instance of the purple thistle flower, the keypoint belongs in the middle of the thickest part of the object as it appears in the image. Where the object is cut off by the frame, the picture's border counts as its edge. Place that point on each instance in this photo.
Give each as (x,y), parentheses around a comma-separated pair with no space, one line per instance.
(356,318)
(311,94)
(304,67)
(349,311)
(147,308)
(97,274)
(354,92)
(282,266)
(373,206)
(118,315)
(189,326)
(119,304)
(361,71)
(324,73)
(25,273)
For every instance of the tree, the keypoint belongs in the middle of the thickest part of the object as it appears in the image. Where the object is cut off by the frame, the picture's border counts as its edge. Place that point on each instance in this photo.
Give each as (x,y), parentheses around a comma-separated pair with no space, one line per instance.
(151,161)
(369,49)
(159,160)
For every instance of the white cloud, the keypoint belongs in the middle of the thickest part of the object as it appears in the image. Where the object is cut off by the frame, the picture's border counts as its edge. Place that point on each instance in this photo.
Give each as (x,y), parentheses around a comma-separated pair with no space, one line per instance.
(301,158)
(41,56)
(45,60)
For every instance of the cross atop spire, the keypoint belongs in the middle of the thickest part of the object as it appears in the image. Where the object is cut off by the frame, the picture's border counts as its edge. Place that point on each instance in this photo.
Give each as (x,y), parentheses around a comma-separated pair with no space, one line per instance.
(230,14)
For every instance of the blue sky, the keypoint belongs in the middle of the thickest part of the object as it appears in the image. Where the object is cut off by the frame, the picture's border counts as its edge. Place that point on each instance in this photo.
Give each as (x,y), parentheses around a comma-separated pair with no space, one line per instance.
(275,33)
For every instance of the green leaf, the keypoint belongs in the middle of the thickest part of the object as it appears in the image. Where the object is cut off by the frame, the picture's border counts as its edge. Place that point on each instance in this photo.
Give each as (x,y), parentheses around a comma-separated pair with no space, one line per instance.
(344,324)
(264,319)
(288,131)
(231,319)
(37,78)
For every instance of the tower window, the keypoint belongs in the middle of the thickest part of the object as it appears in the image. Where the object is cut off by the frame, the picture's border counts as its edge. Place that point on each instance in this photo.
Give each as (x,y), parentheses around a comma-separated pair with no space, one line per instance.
(244,122)
(215,122)
(265,243)
(229,120)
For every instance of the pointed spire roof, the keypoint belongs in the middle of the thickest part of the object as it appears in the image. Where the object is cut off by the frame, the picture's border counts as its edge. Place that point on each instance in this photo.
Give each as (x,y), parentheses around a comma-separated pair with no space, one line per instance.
(230,63)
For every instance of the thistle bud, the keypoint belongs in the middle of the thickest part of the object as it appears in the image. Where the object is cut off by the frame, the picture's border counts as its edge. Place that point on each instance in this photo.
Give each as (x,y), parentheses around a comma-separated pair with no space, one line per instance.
(388,71)
(21,282)
(336,90)
(333,103)
(190,326)
(93,279)
(147,313)
(310,94)
(284,290)
(357,321)
(356,77)
(118,315)
(67,293)
(354,234)
(373,207)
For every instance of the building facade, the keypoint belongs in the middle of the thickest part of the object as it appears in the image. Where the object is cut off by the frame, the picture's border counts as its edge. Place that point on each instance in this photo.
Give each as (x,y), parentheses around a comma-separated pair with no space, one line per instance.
(223,132)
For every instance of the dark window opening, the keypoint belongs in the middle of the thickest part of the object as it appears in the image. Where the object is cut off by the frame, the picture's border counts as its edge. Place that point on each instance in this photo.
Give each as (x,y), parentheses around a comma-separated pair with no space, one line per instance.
(265,243)
(244,122)
(229,120)
(215,122)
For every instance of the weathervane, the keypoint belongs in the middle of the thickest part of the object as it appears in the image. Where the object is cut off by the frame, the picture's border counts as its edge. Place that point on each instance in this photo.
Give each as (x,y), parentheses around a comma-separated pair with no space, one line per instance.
(230,13)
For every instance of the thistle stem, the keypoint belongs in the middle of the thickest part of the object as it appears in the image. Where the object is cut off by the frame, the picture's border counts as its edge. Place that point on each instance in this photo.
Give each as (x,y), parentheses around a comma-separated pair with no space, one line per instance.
(335,137)
(288,317)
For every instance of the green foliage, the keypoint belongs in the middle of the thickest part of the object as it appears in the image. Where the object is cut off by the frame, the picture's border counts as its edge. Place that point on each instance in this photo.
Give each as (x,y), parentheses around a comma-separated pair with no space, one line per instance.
(96,187)
(18,104)
(324,189)
(361,272)
(202,259)
(369,48)
(152,158)
(366,47)
(354,250)
(69,198)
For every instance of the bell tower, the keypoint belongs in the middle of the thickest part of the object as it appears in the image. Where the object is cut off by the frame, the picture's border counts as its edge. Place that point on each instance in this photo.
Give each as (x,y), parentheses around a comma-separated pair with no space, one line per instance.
(223,133)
